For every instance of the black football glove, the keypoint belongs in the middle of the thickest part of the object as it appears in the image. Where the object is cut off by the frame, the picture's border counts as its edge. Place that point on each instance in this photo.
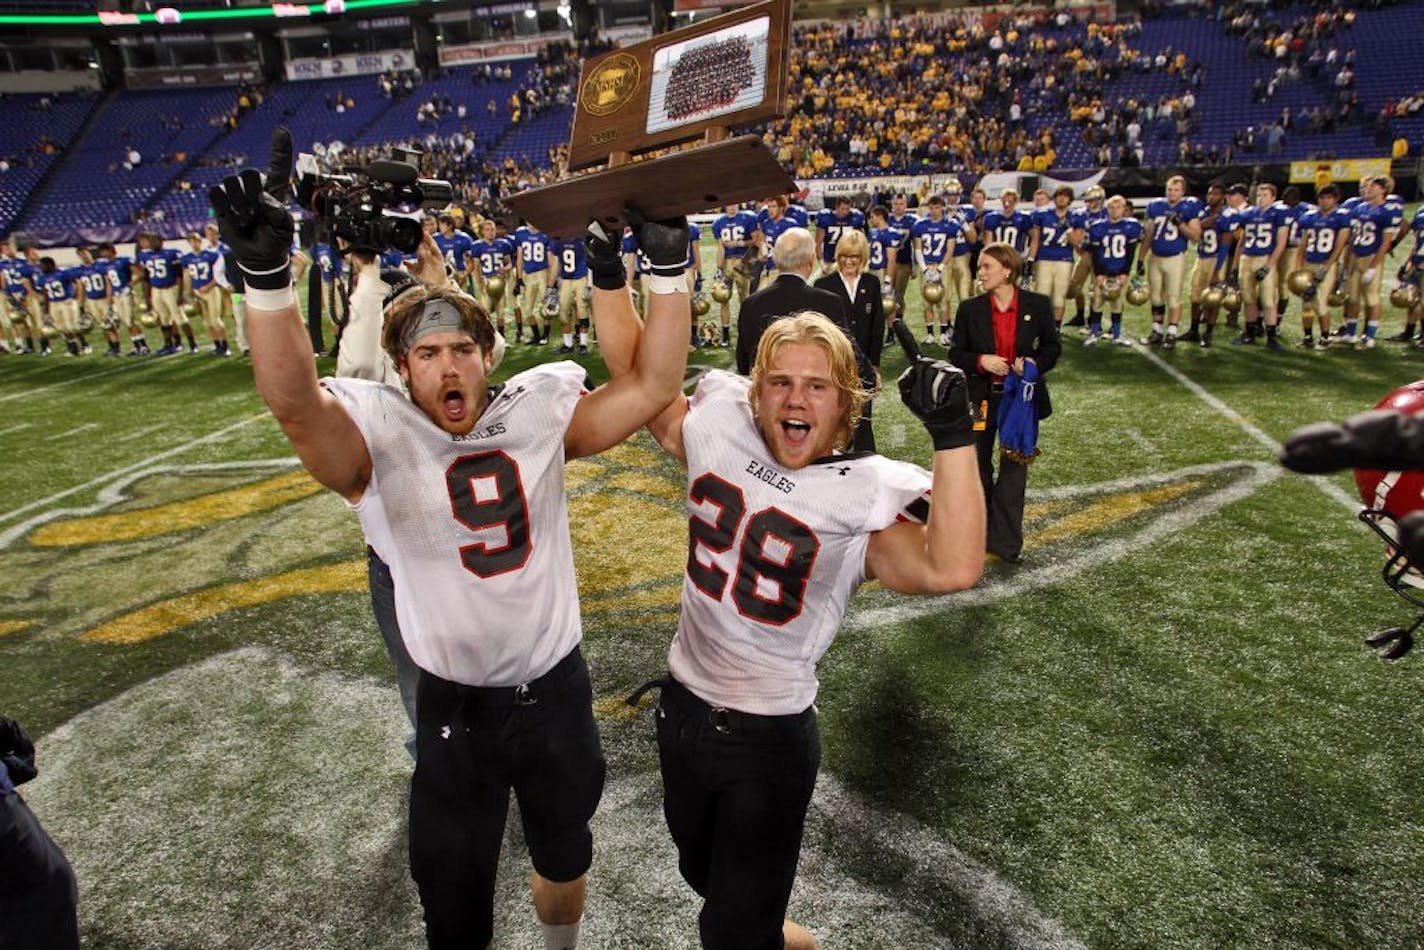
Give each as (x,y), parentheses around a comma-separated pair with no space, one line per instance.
(17,752)
(937,392)
(1406,270)
(253,219)
(1262,273)
(1378,439)
(1174,218)
(1141,268)
(664,242)
(605,257)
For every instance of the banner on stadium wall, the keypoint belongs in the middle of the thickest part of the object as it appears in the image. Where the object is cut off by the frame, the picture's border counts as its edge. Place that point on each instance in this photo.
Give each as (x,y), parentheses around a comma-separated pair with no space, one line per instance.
(359,64)
(1321,174)
(824,191)
(191,76)
(491,52)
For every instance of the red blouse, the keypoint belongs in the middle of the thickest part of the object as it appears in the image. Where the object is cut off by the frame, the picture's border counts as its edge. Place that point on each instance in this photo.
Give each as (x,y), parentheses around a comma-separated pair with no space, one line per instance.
(1006,332)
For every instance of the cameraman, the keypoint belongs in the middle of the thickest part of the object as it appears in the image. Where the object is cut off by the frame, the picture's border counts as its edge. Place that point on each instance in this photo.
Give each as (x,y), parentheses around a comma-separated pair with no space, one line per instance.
(39,896)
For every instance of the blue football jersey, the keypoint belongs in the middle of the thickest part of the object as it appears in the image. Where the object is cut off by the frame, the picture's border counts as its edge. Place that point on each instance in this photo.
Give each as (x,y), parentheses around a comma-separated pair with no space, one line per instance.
(834,228)
(1167,237)
(736,227)
(902,226)
(1260,229)
(573,259)
(1054,232)
(1113,244)
(936,238)
(93,279)
(533,249)
(883,242)
(1321,232)
(1371,225)
(1011,228)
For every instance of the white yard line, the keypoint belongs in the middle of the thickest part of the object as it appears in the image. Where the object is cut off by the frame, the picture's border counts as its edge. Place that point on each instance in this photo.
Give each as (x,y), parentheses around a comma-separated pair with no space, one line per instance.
(23,425)
(141,433)
(1350,504)
(70,382)
(136,466)
(75,431)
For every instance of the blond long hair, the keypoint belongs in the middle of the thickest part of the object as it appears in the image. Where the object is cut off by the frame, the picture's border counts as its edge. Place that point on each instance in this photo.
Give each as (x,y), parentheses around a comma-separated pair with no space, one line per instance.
(817,329)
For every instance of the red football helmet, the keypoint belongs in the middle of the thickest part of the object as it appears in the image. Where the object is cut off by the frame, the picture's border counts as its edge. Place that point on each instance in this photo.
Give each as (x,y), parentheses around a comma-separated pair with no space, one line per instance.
(1390,497)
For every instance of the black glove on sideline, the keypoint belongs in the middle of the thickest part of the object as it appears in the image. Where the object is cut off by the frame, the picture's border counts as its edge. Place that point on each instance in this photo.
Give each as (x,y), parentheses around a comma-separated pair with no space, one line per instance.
(937,392)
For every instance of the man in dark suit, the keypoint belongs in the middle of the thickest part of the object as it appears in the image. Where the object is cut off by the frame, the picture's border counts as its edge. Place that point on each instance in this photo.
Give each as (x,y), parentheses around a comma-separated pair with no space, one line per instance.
(791,293)
(860,292)
(995,333)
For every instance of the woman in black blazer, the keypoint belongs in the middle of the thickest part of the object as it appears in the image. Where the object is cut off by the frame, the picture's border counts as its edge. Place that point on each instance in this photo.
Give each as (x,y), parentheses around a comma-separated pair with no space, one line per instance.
(995,333)
(861,292)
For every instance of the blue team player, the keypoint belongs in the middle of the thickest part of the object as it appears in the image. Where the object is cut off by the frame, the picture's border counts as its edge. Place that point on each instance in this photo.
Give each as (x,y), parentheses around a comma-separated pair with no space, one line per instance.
(572,255)
(735,231)
(456,247)
(831,226)
(164,269)
(934,239)
(1113,243)
(494,257)
(1172,222)
(1263,230)
(1372,231)
(1324,238)
(1057,231)
(60,287)
(535,251)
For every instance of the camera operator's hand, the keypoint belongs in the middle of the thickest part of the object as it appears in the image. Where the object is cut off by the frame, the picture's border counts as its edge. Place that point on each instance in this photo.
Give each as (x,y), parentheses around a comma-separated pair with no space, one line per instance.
(17,752)
(664,242)
(253,219)
(605,257)
(1378,439)
(937,392)
(429,266)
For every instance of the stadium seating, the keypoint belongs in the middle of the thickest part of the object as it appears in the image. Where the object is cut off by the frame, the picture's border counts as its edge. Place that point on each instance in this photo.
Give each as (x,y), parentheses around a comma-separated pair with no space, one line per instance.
(26,126)
(168,128)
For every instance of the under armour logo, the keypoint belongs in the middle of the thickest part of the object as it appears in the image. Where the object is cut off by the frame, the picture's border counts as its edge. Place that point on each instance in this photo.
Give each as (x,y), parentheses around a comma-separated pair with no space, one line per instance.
(444,732)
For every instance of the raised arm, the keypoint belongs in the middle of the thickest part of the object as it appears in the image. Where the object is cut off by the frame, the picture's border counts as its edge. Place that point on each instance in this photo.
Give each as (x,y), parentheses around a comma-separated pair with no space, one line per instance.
(258,227)
(642,388)
(946,553)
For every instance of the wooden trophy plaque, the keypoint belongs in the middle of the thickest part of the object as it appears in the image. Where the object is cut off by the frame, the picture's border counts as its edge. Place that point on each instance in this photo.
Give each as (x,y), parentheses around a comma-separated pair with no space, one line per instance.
(693,83)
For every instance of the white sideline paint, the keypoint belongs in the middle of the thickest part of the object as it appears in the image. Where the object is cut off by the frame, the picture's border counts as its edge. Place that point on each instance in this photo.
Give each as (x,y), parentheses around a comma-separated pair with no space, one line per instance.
(1351,505)
(104,479)
(636,896)
(17,428)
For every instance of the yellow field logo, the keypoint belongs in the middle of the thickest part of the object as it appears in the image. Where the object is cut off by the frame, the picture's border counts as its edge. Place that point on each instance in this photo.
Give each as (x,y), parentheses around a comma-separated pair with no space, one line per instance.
(171,547)
(611,85)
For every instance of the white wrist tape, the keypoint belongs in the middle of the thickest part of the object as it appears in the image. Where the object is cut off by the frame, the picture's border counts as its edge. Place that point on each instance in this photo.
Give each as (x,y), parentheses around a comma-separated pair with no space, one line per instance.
(658,284)
(270,299)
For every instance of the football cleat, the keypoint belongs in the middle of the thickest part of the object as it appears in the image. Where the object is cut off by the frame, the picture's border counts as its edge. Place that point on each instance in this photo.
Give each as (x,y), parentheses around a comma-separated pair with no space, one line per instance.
(1121,341)
(1275,345)
(1324,342)
(1191,336)
(1244,339)
(1152,339)
(1365,343)
(1169,342)
(1092,339)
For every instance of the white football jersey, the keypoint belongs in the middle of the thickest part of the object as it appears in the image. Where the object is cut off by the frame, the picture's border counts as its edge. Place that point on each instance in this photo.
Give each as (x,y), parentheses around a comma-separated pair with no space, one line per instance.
(773,554)
(475,528)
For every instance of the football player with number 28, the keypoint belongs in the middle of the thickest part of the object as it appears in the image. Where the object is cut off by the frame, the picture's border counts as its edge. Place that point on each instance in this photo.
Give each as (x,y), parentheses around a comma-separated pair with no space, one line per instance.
(784,527)
(460,486)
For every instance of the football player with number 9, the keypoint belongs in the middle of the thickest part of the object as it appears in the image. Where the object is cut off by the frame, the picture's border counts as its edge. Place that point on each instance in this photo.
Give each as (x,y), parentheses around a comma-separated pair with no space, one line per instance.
(460,486)
(784,527)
